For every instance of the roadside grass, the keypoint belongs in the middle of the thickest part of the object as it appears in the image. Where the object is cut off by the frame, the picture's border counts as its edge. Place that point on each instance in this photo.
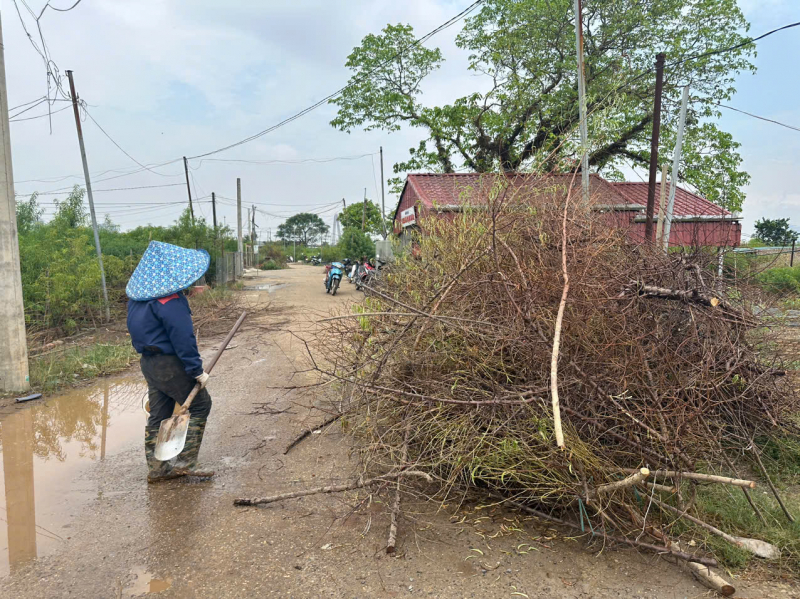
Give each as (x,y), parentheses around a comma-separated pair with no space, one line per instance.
(727,508)
(52,371)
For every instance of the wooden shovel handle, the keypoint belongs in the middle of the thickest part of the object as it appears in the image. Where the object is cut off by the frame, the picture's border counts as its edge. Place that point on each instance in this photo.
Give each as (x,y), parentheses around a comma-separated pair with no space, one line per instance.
(196,390)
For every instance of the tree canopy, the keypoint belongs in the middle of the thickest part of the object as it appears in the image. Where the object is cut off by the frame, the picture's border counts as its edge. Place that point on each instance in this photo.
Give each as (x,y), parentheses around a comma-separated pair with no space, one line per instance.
(354,244)
(304,228)
(351,217)
(526,114)
(775,231)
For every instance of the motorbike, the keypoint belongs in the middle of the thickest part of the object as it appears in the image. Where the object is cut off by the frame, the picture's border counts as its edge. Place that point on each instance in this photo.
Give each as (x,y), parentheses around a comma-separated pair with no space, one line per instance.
(364,275)
(333,277)
(316,260)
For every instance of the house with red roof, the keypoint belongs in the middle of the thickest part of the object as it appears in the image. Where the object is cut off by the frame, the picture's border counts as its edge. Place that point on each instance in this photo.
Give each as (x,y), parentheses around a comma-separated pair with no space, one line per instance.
(696,221)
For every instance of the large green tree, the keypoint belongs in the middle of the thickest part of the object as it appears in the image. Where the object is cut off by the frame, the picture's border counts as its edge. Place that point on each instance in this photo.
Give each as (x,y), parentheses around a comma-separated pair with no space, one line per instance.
(352,216)
(775,231)
(304,228)
(525,115)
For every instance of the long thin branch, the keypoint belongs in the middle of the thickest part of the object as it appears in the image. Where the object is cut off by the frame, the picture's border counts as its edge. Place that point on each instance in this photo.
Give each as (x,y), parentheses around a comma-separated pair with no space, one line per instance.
(359,484)
(559,321)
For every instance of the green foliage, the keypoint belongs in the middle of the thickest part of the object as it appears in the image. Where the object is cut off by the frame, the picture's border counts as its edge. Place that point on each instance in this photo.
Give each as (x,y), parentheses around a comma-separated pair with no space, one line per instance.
(272,265)
(29,215)
(304,228)
(60,274)
(780,280)
(775,231)
(354,244)
(63,368)
(527,117)
(352,217)
(331,253)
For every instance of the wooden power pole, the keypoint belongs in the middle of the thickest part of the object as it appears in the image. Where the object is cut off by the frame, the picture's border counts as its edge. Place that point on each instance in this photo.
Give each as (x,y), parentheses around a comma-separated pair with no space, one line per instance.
(649,230)
(89,193)
(582,101)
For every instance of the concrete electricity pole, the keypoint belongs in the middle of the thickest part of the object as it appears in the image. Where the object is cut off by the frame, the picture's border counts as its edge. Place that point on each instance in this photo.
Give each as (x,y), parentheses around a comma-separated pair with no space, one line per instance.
(582,101)
(364,212)
(383,201)
(89,192)
(240,246)
(13,344)
(676,162)
(214,210)
(188,189)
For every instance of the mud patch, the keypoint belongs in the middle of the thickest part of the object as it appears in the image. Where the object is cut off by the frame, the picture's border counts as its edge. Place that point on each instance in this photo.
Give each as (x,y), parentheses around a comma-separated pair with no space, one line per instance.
(46,447)
(146,584)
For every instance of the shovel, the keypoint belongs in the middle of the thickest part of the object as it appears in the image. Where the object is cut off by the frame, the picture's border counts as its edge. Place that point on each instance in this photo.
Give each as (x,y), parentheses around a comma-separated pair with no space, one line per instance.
(172,434)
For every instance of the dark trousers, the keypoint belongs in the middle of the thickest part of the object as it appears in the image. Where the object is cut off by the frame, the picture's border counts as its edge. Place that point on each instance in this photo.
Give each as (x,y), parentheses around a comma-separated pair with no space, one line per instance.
(167,383)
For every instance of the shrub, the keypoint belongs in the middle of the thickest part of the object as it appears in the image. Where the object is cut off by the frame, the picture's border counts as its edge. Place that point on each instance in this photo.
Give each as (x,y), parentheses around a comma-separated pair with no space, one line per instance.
(780,280)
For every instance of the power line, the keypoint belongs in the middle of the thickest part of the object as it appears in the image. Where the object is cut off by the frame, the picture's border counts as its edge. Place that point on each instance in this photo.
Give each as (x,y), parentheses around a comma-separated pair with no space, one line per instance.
(316,105)
(735,47)
(40,116)
(761,118)
(111,139)
(48,193)
(299,161)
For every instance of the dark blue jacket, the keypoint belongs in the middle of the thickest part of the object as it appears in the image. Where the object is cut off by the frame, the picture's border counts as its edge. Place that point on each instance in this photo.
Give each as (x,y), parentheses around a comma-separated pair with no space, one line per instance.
(165,326)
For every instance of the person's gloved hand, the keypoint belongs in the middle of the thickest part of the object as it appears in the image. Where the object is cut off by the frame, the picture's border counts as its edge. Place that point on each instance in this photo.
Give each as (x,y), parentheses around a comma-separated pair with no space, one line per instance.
(202,379)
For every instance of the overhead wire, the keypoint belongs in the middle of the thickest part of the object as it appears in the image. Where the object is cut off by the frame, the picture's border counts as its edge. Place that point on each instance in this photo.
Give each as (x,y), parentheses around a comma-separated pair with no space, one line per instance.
(755,116)
(120,148)
(324,100)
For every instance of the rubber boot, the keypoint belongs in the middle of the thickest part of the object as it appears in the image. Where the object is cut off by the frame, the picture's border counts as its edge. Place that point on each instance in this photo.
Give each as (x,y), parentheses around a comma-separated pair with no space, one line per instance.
(156,469)
(186,462)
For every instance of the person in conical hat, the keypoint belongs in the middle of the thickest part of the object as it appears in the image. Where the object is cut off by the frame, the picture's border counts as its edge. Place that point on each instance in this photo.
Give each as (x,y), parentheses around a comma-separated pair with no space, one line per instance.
(161,330)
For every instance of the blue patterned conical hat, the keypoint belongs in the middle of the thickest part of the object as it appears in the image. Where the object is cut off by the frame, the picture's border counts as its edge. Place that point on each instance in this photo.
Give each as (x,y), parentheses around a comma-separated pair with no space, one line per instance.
(166,269)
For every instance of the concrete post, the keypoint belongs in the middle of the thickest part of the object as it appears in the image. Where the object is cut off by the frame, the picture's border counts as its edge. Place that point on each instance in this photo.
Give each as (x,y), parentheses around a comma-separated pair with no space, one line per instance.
(13,344)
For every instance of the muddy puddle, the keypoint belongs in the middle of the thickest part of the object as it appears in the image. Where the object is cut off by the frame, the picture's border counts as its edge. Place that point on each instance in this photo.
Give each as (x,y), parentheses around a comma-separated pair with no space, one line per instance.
(268,287)
(47,448)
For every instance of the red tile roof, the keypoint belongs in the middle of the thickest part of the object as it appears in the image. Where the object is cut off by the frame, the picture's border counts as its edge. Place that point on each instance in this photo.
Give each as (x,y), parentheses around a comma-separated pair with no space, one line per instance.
(456,189)
(686,203)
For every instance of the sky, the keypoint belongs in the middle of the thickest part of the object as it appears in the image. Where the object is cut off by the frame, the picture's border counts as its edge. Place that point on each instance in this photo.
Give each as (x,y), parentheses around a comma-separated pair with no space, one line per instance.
(173,78)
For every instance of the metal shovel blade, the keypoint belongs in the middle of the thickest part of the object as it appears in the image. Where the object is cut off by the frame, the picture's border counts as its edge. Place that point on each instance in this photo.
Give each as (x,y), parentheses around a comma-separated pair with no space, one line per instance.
(172,436)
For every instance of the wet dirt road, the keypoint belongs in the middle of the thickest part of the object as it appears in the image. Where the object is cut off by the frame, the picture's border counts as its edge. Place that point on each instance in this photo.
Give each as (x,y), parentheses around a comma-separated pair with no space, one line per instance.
(80,520)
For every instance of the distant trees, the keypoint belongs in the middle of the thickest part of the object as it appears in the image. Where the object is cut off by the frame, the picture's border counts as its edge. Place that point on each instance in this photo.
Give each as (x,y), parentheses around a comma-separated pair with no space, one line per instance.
(775,231)
(304,228)
(354,244)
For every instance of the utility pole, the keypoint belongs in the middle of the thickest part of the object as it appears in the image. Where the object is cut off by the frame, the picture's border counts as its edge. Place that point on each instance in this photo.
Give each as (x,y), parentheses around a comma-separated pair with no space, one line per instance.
(188,189)
(214,210)
(253,228)
(13,343)
(662,192)
(364,212)
(383,200)
(89,192)
(651,190)
(240,246)
(676,161)
(582,101)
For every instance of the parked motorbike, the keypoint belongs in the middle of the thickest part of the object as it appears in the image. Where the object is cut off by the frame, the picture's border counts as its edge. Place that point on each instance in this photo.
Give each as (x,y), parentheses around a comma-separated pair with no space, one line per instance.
(333,276)
(316,260)
(364,275)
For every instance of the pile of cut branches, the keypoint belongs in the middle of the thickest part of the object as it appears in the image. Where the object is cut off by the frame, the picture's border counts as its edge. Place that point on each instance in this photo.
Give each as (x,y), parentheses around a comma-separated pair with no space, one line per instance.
(529,351)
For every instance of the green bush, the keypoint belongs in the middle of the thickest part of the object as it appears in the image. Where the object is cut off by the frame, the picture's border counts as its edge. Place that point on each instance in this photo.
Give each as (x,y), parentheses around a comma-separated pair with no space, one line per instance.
(60,275)
(272,265)
(780,280)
